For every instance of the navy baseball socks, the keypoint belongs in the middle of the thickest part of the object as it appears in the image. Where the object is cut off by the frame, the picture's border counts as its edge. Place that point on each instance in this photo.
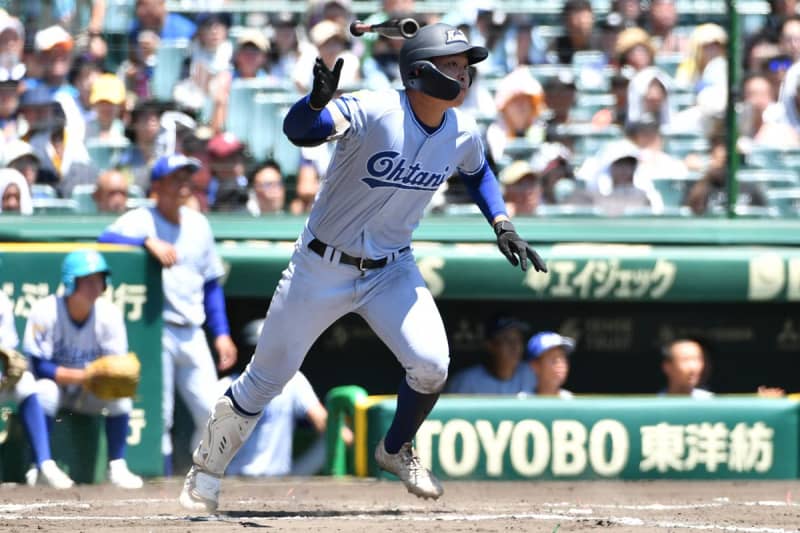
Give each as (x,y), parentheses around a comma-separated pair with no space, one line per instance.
(227,429)
(395,454)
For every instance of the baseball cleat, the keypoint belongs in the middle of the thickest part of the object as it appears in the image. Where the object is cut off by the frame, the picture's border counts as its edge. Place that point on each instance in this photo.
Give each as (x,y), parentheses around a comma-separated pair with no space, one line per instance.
(120,476)
(53,476)
(405,464)
(200,491)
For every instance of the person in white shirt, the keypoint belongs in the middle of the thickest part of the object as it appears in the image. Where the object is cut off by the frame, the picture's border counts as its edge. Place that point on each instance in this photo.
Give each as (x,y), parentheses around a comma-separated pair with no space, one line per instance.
(684,365)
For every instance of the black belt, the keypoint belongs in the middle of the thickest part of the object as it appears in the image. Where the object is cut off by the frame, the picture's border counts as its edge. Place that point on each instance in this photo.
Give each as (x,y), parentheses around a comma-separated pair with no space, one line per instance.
(319,248)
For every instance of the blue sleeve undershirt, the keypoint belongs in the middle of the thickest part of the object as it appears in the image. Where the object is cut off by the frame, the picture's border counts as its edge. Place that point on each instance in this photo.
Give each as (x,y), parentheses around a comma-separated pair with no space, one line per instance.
(117,238)
(214,303)
(485,192)
(43,368)
(305,126)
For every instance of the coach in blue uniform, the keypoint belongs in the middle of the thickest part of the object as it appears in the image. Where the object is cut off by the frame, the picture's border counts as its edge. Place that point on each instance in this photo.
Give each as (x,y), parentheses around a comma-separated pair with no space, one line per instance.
(395,148)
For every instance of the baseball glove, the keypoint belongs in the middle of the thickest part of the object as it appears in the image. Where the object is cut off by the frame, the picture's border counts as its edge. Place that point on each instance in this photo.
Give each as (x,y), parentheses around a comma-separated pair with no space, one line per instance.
(113,376)
(14,365)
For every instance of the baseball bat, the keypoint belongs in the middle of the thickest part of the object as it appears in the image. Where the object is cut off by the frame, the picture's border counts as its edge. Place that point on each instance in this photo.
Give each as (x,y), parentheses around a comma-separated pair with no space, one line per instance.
(393,28)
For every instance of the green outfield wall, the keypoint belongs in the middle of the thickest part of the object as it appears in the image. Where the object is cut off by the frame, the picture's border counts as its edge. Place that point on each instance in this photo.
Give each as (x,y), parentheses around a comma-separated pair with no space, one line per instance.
(594,438)
(29,272)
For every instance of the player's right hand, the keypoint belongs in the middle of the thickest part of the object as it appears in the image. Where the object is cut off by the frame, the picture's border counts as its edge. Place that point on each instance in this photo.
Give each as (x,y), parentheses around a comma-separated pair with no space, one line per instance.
(326,82)
(163,251)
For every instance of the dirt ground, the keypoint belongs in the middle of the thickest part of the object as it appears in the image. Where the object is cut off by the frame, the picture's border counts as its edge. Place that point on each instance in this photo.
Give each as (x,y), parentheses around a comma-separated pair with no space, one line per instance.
(348,505)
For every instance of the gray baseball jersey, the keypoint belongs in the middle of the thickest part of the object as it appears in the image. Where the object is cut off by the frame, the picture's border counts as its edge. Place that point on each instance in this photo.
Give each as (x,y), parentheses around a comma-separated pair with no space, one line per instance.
(198,261)
(52,335)
(385,169)
(8,331)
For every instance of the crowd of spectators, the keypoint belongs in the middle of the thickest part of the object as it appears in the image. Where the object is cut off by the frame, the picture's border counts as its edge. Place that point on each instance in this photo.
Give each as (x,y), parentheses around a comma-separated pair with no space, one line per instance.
(601,112)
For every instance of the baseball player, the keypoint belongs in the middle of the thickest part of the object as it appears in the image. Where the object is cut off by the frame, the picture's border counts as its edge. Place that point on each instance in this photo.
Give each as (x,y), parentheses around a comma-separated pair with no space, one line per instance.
(63,335)
(395,148)
(180,239)
(23,392)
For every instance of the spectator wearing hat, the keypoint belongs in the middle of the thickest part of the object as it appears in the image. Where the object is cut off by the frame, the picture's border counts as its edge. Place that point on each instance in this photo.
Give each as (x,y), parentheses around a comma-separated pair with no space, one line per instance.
(331,42)
(522,189)
(503,370)
(616,186)
(10,91)
(228,188)
(707,63)
(552,165)
(661,20)
(548,354)
(54,55)
(578,20)
(559,96)
(634,49)
(519,101)
(268,195)
(15,195)
(250,57)
(649,94)
(135,161)
(152,15)
(286,47)
(107,99)
(20,156)
(12,40)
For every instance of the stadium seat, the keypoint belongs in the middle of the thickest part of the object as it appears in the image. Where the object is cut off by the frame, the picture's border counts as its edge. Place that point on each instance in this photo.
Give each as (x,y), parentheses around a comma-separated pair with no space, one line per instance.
(43,190)
(82,194)
(769,178)
(668,62)
(54,206)
(568,210)
(764,157)
(787,201)
(104,153)
(169,66)
(673,190)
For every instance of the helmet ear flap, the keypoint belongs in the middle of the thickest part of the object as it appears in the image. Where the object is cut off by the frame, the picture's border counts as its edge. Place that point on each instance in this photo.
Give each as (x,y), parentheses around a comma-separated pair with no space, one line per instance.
(425,77)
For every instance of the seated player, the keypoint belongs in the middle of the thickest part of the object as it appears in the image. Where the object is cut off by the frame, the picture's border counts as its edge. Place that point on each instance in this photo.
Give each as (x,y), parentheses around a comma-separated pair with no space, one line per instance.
(66,333)
(18,385)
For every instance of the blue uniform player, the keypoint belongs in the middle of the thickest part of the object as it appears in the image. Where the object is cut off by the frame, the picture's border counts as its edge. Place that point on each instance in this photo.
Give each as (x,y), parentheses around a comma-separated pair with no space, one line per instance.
(395,148)
(29,410)
(63,335)
(180,238)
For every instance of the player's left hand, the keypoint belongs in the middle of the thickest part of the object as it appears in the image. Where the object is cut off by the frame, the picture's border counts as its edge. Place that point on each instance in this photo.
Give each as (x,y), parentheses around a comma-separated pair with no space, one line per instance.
(514,247)
(227,352)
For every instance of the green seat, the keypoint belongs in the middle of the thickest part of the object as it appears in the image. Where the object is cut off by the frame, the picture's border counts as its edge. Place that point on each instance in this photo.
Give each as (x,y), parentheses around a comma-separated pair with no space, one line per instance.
(55,206)
(104,153)
(568,210)
(82,194)
(43,190)
(668,62)
(673,190)
(787,201)
(763,157)
(167,72)
(769,178)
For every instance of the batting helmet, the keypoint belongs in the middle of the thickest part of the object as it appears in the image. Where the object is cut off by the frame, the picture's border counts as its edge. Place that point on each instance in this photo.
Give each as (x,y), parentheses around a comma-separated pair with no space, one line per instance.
(436,40)
(81,263)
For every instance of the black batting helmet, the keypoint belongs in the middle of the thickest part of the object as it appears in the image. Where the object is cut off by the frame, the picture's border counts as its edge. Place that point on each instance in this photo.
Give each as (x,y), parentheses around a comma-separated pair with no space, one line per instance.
(435,40)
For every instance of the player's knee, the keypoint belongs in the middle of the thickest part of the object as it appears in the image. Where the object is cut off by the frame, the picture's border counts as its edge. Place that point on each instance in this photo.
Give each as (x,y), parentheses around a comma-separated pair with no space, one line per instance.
(48,393)
(429,376)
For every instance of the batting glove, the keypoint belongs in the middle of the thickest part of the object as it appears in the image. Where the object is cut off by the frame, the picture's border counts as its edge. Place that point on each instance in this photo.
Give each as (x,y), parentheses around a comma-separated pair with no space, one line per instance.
(325,83)
(513,247)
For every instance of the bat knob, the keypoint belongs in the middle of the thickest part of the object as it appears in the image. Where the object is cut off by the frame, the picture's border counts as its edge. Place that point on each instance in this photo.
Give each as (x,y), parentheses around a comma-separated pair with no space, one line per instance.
(355,28)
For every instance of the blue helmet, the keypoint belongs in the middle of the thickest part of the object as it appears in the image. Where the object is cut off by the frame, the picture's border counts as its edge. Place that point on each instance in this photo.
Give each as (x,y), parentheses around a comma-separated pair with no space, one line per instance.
(81,263)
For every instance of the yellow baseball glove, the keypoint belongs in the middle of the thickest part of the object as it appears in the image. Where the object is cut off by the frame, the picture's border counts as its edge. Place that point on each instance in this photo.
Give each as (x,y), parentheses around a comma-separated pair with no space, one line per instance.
(113,376)
(14,365)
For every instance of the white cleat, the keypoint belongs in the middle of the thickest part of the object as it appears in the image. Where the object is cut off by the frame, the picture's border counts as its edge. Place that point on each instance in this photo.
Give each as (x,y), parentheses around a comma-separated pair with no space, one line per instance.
(405,464)
(120,476)
(200,491)
(53,476)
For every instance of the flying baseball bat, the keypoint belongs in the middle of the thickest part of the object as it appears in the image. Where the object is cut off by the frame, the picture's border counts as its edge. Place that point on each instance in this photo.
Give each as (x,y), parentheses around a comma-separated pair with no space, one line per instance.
(392,28)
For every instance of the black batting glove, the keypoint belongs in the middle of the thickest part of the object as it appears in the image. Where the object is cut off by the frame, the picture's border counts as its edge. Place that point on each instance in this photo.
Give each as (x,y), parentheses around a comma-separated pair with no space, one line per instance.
(514,247)
(325,83)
